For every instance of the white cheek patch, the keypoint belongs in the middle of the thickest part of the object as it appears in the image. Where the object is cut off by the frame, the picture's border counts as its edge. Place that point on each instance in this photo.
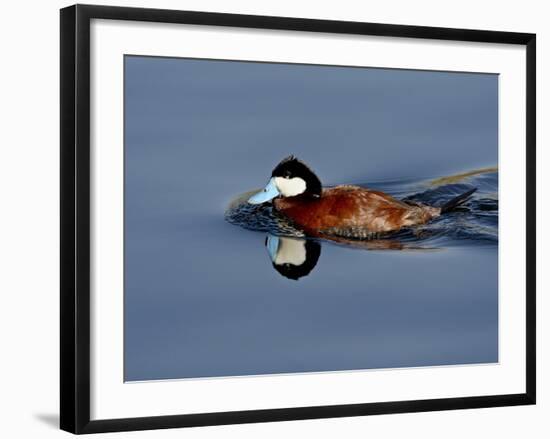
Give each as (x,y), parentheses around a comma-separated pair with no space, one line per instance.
(291,251)
(290,187)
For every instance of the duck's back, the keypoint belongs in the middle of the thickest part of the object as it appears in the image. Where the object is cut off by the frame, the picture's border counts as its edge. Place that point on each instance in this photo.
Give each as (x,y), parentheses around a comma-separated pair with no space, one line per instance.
(353,211)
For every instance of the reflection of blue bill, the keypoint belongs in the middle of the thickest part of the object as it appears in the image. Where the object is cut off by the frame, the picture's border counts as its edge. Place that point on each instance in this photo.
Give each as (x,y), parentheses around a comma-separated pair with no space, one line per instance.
(272,245)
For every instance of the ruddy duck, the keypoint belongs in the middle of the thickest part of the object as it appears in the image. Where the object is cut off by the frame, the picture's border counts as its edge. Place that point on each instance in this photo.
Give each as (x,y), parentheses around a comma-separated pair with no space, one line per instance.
(347,211)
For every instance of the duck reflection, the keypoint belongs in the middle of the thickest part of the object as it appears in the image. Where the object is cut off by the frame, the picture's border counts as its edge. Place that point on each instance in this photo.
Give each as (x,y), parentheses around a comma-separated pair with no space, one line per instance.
(295,258)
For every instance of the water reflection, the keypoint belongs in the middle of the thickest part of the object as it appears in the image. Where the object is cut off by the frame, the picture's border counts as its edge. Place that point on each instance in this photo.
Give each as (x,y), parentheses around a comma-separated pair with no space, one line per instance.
(294,257)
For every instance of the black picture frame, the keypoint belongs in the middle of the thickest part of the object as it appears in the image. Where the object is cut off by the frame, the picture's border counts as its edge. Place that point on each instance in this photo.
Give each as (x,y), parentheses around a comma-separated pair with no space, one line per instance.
(75,217)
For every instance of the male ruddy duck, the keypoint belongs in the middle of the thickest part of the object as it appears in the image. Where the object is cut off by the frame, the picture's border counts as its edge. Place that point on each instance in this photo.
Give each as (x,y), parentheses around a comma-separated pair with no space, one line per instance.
(346,210)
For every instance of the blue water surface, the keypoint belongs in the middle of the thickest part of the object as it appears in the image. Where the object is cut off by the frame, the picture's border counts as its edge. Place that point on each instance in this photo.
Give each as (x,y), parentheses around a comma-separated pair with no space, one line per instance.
(202,298)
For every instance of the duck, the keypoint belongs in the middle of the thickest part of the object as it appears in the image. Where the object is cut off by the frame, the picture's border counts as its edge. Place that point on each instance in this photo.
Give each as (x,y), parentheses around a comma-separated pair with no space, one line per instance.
(348,211)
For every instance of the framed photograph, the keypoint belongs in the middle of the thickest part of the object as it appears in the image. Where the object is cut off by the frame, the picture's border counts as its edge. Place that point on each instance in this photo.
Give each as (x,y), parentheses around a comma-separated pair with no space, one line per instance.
(274,218)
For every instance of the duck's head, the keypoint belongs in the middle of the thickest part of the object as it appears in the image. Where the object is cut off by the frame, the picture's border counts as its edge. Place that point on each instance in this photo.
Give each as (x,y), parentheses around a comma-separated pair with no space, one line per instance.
(290,178)
(293,258)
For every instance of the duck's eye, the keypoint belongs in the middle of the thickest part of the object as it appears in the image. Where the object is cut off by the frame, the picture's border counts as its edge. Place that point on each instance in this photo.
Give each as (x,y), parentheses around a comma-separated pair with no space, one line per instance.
(288,174)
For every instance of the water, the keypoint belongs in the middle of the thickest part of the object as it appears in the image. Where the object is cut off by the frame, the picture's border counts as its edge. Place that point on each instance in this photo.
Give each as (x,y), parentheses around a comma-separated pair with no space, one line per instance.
(202,295)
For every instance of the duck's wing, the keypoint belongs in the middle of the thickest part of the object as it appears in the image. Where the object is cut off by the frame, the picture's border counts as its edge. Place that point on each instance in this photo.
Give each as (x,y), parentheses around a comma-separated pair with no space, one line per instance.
(359,213)
(366,213)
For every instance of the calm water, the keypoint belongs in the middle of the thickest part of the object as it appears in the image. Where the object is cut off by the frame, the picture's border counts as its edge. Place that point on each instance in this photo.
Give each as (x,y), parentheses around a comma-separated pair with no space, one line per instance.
(202,297)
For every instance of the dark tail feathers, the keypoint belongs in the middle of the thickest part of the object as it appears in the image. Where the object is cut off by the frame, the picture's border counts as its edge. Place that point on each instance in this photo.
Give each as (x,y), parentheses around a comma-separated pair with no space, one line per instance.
(457,201)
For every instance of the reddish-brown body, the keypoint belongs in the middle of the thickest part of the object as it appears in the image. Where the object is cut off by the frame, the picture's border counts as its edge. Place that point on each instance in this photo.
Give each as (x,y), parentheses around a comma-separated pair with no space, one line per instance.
(353,211)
